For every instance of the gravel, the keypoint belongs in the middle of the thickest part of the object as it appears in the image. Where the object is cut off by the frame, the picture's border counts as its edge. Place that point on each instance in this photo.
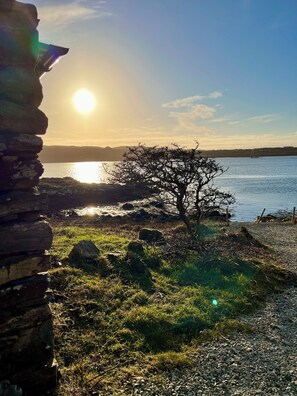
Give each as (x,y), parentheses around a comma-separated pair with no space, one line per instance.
(260,363)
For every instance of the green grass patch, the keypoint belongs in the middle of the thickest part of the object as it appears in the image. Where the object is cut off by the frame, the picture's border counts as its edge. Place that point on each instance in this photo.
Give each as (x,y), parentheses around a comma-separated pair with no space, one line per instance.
(66,237)
(111,328)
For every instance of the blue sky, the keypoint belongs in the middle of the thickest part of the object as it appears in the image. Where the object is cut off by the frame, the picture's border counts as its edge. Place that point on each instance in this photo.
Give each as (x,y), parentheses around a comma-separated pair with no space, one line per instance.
(223,72)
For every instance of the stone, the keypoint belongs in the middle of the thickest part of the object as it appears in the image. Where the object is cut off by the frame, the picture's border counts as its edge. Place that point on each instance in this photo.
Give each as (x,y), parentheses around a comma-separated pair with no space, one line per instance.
(244,237)
(151,236)
(28,319)
(36,379)
(20,144)
(7,389)
(20,86)
(217,215)
(6,5)
(113,257)
(34,344)
(127,206)
(23,118)
(25,237)
(141,215)
(15,294)
(27,12)
(214,213)
(18,45)
(84,250)
(19,174)
(29,217)
(16,202)
(136,247)
(17,267)
(136,264)
(157,204)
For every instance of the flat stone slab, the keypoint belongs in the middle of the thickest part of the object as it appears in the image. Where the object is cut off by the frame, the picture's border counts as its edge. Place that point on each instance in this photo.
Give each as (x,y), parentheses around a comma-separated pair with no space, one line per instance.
(17,267)
(23,118)
(14,144)
(16,202)
(19,174)
(25,237)
(15,294)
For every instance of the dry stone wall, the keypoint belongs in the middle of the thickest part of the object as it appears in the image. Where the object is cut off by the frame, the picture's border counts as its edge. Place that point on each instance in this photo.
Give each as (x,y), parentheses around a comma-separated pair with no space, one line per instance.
(26,333)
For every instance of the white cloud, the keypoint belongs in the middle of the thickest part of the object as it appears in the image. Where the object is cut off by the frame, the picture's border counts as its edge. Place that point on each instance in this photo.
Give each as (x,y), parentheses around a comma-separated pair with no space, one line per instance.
(190,100)
(203,111)
(184,102)
(189,113)
(260,119)
(215,95)
(265,118)
(61,15)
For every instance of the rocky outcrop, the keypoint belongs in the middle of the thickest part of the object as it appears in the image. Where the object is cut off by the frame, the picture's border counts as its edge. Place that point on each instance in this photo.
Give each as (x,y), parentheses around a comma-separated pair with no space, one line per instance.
(26,331)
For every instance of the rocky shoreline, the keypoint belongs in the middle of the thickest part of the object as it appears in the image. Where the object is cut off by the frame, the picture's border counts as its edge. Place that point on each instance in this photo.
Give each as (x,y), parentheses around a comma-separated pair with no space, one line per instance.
(67,193)
(71,199)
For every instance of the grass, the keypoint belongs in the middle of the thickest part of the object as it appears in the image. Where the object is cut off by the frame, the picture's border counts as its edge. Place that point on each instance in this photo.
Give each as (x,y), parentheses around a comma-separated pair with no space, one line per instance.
(110,328)
(66,237)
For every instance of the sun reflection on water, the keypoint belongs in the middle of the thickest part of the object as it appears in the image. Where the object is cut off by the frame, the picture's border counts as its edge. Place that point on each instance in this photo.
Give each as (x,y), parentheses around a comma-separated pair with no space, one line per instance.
(89,172)
(90,211)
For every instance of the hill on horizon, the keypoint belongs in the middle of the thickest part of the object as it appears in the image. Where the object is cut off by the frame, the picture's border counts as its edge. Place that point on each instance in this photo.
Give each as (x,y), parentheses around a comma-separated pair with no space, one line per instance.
(91,153)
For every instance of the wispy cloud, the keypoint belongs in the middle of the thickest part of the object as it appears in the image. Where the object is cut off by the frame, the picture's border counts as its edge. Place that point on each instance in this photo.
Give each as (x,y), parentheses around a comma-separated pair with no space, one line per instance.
(190,100)
(61,15)
(236,120)
(189,113)
(265,118)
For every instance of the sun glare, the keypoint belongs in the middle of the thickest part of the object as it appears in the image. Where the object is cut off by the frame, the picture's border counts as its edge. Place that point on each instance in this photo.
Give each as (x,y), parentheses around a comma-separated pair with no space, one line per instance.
(84,101)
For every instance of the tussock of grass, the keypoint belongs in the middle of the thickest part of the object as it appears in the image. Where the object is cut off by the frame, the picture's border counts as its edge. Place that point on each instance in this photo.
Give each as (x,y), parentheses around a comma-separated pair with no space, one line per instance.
(111,328)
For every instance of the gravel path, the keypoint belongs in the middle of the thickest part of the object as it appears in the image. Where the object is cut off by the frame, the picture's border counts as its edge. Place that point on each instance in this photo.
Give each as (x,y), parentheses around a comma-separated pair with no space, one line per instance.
(261,363)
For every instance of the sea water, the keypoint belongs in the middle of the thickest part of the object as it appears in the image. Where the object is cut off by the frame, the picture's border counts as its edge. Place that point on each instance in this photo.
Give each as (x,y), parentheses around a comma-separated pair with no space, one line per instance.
(257,183)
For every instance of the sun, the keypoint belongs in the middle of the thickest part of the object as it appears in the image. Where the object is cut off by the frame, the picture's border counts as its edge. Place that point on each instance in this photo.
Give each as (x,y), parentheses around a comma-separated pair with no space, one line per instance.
(84,101)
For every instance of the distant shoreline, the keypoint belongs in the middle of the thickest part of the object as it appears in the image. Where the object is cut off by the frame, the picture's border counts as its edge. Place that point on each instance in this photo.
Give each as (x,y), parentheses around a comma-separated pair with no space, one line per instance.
(62,154)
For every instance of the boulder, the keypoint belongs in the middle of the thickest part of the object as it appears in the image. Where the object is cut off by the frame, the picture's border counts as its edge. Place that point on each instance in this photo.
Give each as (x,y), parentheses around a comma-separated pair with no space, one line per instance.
(23,118)
(136,247)
(114,257)
(141,215)
(151,236)
(136,264)
(127,206)
(157,204)
(84,251)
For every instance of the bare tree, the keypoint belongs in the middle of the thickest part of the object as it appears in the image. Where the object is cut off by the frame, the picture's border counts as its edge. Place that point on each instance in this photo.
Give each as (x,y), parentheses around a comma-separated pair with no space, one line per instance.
(183,178)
